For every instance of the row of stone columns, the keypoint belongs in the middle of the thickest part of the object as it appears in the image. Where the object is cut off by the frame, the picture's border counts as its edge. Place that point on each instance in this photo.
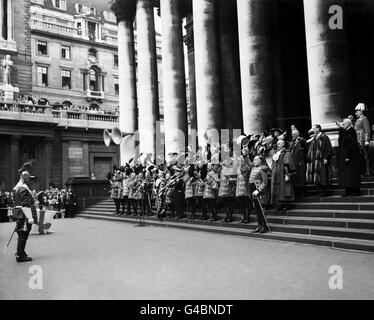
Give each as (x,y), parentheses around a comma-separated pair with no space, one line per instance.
(328,64)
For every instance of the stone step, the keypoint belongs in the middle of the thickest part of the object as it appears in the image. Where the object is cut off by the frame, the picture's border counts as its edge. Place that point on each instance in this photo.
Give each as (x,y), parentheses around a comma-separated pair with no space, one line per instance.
(337,198)
(330,231)
(340,192)
(324,222)
(335,205)
(325,213)
(228,229)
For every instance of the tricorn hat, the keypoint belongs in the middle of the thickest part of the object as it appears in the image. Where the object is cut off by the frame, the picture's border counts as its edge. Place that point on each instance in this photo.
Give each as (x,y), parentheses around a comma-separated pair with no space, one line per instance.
(276,130)
(27,166)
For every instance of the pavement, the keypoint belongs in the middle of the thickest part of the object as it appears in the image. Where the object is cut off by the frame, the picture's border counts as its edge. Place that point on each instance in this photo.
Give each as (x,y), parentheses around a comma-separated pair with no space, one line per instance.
(92,259)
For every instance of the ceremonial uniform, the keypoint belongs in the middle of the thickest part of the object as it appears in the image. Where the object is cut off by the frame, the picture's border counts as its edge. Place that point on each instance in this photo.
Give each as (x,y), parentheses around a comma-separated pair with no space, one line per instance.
(136,194)
(226,192)
(178,197)
(211,194)
(160,190)
(190,196)
(126,202)
(242,192)
(115,193)
(363,131)
(258,180)
(199,196)
(24,209)
(147,195)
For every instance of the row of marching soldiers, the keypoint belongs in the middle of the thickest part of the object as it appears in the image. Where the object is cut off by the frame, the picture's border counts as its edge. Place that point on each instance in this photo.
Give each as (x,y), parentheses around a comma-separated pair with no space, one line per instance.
(236,183)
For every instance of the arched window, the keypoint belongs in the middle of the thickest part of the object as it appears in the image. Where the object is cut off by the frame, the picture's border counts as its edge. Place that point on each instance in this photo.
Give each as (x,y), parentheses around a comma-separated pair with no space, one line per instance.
(67,103)
(43,102)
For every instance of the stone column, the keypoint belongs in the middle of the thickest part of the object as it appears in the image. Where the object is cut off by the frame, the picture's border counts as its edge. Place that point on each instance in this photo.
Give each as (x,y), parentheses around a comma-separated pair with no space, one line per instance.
(229,45)
(10,20)
(125,12)
(174,87)
(328,63)
(65,161)
(1,18)
(147,76)
(189,41)
(14,159)
(48,156)
(208,90)
(255,65)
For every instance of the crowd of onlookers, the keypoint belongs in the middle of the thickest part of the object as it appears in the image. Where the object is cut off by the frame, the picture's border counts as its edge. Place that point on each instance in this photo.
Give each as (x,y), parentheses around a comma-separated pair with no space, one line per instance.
(62,201)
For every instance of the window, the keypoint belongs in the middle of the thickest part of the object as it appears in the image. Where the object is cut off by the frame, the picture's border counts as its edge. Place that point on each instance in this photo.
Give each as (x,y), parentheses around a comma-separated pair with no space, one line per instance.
(65,52)
(66,79)
(93,80)
(92,10)
(42,47)
(85,81)
(116,61)
(42,76)
(116,86)
(60,4)
(91,31)
(80,8)
(92,53)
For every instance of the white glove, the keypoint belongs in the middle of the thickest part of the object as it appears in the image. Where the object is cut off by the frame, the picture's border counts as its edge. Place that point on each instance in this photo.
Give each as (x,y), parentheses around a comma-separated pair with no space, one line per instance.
(31,221)
(367,143)
(255,193)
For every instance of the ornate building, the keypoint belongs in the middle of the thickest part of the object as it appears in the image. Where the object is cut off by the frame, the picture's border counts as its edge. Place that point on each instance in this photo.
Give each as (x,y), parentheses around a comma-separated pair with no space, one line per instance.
(252,65)
(63,88)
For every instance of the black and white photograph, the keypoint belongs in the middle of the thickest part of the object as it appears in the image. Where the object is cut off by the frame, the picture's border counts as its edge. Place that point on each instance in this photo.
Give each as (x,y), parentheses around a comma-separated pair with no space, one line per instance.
(186,151)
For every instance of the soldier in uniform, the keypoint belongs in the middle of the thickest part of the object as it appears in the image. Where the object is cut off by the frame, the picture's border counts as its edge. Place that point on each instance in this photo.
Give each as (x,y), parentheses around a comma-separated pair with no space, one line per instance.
(126,202)
(160,191)
(242,193)
(211,191)
(190,191)
(226,191)
(199,191)
(24,212)
(258,180)
(362,127)
(116,190)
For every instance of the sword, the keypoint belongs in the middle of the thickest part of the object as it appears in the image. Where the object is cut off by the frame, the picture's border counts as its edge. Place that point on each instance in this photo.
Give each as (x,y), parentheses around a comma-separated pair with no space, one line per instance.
(5,249)
(263,213)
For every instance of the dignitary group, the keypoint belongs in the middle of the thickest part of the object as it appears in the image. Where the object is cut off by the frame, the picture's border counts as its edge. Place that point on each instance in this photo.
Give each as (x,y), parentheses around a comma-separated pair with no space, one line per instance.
(271,171)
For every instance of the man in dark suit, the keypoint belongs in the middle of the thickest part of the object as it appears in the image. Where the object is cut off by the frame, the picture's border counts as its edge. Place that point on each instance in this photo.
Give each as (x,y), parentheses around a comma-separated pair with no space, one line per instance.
(71,203)
(24,212)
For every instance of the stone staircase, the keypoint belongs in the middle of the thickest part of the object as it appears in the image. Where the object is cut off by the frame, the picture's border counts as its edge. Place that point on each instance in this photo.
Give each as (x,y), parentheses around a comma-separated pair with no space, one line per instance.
(334,221)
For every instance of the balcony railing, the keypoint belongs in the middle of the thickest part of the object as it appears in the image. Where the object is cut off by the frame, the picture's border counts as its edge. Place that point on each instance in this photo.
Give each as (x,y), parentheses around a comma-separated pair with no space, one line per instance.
(55,28)
(65,118)
(73,32)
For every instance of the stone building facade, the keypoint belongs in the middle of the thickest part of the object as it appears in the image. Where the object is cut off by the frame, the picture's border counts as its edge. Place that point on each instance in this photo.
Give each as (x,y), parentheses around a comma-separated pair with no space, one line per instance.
(252,65)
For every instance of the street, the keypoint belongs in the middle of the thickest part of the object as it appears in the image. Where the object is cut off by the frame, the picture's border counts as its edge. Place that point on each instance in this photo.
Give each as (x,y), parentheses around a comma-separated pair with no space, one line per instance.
(91,259)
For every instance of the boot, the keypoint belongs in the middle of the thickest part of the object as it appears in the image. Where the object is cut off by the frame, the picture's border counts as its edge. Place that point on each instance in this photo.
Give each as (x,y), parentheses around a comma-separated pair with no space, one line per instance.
(257,230)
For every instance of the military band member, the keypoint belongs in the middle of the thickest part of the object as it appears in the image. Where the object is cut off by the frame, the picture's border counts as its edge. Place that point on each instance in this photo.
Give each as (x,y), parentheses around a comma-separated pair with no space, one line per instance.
(126,202)
(211,191)
(116,190)
(178,193)
(137,193)
(258,180)
(226,191)
(160,191)
(199,191)
(190,191)
(147,193)
(24,212)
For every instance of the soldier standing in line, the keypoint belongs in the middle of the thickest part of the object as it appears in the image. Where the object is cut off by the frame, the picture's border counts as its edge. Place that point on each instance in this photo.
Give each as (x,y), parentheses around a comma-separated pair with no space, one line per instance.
(190,191)
(211,191)
(258,180)
(362,127)
(24,212)
(116,190)
(199,191)
(160,191)
(126,202)
(242,192)
(226,191)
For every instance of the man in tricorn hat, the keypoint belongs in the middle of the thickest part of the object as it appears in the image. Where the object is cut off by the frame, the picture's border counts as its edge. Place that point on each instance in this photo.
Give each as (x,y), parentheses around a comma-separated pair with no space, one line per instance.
(24,211)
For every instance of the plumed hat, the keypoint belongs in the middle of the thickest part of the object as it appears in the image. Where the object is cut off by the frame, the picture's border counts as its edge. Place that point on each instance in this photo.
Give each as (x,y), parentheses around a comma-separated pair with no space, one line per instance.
(361,107)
